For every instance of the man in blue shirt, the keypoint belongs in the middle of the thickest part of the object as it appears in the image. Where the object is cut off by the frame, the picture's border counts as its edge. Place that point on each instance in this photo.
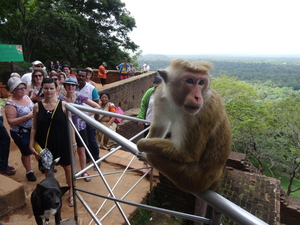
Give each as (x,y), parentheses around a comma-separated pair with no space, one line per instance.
(123,69)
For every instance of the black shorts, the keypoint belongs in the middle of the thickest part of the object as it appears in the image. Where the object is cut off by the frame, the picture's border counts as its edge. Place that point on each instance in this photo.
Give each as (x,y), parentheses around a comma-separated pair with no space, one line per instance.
(83,135)
(22,141)
(103,81)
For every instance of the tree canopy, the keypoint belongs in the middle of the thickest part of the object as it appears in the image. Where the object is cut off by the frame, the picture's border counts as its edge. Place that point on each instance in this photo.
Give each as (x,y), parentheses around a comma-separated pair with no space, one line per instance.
(81,33)
(266,129)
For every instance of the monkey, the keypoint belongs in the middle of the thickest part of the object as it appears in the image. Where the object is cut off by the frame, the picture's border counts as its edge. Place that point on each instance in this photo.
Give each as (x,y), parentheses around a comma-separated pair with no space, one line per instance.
(187,107)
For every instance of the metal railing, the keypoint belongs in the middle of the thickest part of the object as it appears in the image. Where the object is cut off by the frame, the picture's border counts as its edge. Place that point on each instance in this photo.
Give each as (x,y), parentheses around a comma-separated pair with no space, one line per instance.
(219,203)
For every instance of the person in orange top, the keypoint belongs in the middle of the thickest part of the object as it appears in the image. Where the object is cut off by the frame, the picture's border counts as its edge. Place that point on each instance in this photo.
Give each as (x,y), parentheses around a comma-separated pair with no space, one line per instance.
(105,142)
(102,73)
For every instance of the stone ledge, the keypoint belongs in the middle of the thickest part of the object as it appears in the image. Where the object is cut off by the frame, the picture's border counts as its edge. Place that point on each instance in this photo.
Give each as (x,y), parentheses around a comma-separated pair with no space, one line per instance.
(12,195)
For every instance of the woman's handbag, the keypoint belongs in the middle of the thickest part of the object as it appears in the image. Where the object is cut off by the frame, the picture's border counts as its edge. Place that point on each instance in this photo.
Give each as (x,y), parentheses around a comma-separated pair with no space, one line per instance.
(119,111)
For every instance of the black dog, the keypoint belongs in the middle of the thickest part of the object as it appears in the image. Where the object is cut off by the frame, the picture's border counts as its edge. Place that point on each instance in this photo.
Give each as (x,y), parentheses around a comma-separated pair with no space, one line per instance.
(46,198)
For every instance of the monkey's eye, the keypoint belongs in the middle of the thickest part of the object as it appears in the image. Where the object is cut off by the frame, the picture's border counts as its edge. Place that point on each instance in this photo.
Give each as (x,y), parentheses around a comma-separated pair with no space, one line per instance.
(189,81)
(201,82)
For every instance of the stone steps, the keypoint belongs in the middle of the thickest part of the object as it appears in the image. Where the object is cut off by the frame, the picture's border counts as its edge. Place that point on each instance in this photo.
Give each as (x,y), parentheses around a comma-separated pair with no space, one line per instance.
(12,195)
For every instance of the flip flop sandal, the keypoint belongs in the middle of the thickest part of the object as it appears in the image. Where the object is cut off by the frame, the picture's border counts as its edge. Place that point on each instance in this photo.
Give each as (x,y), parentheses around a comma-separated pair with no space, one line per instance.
(71,201)
(10,168)
(8,172)
(99,165)
(87,179)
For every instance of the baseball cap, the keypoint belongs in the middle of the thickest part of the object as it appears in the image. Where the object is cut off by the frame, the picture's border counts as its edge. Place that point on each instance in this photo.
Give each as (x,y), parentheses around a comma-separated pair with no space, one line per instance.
(71,80)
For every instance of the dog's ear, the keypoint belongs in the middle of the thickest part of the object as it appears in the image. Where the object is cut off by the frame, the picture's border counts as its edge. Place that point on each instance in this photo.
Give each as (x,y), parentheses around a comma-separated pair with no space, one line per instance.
(39,189)
(64,190)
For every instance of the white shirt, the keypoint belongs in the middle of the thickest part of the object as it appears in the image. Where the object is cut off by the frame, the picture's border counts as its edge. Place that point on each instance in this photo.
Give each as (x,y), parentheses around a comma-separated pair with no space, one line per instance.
(149,113)
(146,68)
(86,91)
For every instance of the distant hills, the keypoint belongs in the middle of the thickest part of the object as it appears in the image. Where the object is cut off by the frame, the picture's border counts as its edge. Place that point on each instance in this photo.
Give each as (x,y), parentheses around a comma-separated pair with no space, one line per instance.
(280,70)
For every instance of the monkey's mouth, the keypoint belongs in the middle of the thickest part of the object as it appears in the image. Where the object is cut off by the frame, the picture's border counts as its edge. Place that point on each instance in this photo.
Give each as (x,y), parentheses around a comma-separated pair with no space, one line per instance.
(191,109)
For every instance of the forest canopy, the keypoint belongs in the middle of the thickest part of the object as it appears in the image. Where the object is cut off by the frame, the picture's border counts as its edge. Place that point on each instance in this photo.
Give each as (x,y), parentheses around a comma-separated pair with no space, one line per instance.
(270,71)
(75,32)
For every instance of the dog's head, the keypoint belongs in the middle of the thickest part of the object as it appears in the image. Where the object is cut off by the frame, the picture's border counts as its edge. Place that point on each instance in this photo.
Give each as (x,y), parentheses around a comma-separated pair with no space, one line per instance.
(51,197)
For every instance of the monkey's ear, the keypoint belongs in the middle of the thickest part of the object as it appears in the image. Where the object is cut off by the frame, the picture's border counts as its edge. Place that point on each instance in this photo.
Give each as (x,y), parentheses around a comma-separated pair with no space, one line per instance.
(163,74)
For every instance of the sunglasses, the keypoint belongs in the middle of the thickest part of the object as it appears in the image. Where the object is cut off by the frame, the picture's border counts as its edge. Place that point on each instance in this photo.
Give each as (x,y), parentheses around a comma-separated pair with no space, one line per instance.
(55,79)
(38,75)
(71,84)
(20,88)
(38,66)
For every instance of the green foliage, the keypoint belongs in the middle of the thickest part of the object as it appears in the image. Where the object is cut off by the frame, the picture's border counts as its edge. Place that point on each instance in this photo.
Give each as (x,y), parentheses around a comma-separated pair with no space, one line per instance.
(271,71)
(180,220)
(281,175)
(134,60)
(76,32)
(265,128)
(142,216)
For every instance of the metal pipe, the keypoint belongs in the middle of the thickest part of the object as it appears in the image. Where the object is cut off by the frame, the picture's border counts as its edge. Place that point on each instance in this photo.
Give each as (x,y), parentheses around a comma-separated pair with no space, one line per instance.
(228,208)
(154,209)
(108,132)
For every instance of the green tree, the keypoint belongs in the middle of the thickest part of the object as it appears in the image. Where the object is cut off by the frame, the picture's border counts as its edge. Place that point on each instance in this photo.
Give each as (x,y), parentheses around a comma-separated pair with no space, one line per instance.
(250,119)
(77,32)
(288,117)
(266,130)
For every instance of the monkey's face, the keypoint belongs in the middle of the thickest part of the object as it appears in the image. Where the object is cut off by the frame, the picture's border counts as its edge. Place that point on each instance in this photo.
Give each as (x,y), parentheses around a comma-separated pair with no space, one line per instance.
(189,91)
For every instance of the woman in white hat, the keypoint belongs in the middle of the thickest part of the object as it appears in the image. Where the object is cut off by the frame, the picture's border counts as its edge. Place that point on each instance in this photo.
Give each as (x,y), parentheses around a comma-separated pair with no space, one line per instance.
(71,96)
(19,115)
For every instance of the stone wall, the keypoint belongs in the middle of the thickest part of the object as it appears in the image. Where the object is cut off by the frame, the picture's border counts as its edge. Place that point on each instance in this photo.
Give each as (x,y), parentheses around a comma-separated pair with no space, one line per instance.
(127,93)
(112,76)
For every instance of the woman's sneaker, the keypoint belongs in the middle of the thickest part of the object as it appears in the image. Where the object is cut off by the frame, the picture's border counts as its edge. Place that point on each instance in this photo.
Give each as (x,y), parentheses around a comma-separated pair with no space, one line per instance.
(30,176)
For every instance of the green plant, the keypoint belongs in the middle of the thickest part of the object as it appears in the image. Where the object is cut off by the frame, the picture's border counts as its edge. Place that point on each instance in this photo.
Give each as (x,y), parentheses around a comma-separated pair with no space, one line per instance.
(141,217)
(180,220)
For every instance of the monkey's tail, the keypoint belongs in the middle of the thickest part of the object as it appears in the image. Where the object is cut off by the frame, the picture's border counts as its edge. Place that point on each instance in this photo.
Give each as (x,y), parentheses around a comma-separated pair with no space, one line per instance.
(51,170)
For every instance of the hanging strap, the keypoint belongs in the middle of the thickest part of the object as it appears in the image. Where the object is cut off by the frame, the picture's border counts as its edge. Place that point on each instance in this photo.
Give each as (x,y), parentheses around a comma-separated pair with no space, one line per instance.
(46,142)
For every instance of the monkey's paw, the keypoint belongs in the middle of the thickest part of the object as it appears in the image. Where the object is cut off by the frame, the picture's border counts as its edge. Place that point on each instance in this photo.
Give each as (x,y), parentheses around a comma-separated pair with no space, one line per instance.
(142,156)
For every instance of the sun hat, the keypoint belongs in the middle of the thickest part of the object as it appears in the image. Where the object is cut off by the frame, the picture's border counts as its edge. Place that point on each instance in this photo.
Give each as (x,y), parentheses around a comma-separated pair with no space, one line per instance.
(44,73)
(71,80)
(13,83)
(89,69)
(37,62)
(15,75)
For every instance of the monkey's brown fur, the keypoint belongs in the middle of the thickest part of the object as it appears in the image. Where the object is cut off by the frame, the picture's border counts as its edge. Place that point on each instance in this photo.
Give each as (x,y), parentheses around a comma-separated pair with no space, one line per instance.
(195,156)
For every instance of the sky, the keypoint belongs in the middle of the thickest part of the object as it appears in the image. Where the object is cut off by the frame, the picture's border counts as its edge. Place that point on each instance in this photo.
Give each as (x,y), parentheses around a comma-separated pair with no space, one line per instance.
(267,27)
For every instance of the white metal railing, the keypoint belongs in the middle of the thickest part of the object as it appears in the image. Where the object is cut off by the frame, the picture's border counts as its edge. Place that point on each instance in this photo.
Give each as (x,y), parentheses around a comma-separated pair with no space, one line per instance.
(219,203)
